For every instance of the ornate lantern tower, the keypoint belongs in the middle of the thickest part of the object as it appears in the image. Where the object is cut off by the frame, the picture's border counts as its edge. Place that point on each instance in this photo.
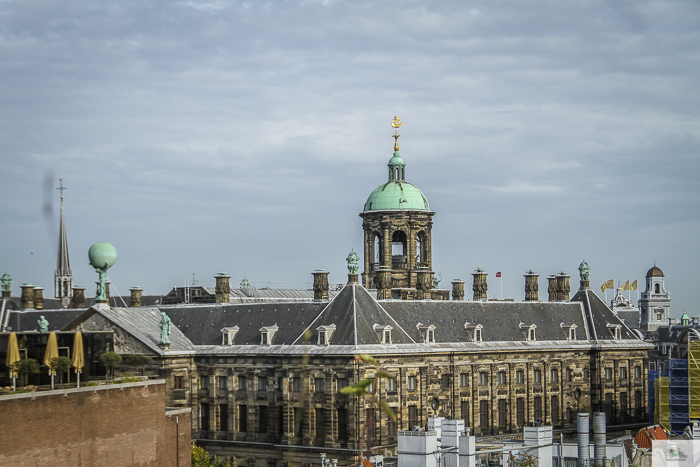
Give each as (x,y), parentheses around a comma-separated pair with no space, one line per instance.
(397,222)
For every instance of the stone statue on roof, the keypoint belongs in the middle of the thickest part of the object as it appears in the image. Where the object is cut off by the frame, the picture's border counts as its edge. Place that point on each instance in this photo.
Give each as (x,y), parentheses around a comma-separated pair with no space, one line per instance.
(353,260)
(164,329)
(436,280)
(43,324)
(583,270)
(6,280)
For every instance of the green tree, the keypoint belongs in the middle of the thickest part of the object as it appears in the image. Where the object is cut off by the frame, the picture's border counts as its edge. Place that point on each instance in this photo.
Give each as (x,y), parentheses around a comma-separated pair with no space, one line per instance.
(110,360)
(201,458)
(25,368)
(60,365)
(139,360)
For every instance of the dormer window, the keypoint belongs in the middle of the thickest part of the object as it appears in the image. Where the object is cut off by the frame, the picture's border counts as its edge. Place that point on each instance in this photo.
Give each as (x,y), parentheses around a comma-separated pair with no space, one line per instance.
(325,333)
(570,330)
(267,333)
(228,335)
(384,333)
(530,335)
(473,331)
(616,331)
(427,332)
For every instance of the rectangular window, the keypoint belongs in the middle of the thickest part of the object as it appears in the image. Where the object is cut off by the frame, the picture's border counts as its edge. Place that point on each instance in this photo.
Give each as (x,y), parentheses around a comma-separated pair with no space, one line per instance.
(280,421)
(262,419)
(483,379)
(371,424)
(445,381)
(623,406)
(412,417)
(390,427)
(484,414)
(391,384)
(464,380)
(370,388)
(280,383)
(568,374)
(464,407)
(520,411)
(342,382)
(262,383)
(242,383)
(608,374)
(342,424)
(537,376)
(554,375)
(555,411)
(204,414)
(223,382)
(411,383)
(501,378)
(179,382)
(502,413)
(585,374)
(570,415)
(223,417)
(320,425)
(296,384)
(204,382)
(242,418)
(638,403)
(637,372)
(623,372)
(520,377)
(608,406)
(298,421)
(319,384)
(537,408)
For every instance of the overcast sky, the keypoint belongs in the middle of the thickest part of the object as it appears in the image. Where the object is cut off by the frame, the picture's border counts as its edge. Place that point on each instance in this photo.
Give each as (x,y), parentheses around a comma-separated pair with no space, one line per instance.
(245,137)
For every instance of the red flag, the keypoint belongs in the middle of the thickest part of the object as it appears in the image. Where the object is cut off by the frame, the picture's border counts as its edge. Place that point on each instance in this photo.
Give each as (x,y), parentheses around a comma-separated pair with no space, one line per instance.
(498,274)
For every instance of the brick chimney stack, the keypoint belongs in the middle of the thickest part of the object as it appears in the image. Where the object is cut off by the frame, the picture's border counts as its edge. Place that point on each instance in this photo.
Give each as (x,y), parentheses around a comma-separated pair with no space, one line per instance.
(136,297)
(78,298)
(320,284)
(563,287)
(531,286)
(458,290)
(552,288)
(39,297)
(480,286)
(27,296)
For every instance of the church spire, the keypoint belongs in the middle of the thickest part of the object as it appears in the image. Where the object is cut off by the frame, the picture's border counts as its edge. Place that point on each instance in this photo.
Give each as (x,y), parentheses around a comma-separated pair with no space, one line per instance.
(63,277)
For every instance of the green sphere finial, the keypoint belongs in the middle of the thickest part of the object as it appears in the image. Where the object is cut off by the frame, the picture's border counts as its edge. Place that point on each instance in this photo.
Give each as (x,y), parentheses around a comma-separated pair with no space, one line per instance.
(102,255)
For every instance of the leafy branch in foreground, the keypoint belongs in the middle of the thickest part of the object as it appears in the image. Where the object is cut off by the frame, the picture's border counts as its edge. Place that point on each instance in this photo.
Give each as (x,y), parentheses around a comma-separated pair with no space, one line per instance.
(360,389)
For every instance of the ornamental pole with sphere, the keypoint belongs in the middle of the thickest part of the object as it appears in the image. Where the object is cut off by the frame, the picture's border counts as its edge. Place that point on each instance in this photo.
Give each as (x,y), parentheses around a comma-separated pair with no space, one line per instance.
(102,256)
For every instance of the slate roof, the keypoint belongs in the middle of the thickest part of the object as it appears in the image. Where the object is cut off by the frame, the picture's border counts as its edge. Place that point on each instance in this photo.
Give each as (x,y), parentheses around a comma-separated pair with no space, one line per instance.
(143,323)
(598,316)
(58,319)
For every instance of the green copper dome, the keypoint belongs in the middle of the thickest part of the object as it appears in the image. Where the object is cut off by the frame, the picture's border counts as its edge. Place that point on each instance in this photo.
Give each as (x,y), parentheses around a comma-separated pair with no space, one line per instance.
(397,195)
(102,255)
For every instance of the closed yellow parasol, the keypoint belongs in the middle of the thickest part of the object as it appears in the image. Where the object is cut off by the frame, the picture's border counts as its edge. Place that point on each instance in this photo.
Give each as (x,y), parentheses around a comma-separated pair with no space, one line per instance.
(78,355)
(50,354)
(12,356)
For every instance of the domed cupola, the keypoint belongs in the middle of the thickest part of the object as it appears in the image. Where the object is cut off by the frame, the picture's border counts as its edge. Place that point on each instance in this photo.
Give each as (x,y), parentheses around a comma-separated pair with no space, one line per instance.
(397,222)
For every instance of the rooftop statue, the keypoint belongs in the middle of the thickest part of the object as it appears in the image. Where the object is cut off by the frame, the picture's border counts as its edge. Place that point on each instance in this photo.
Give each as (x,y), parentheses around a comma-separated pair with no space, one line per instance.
(436,280)
(6,280)
(353,260)
(43,324)
(102,256)
(164,329)
(583,270)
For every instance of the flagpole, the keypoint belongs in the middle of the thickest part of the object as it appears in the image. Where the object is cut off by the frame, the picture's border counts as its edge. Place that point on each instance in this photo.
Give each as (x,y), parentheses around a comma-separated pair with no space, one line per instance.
(501,286)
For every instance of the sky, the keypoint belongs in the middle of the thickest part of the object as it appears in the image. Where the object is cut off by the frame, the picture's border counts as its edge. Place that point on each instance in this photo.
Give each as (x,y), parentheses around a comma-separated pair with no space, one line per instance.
(245,136)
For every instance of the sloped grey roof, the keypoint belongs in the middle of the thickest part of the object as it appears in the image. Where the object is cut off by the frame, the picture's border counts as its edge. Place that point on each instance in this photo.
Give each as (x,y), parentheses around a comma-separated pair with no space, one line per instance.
(58,319)
(598,316)
(278,295)
(501,321)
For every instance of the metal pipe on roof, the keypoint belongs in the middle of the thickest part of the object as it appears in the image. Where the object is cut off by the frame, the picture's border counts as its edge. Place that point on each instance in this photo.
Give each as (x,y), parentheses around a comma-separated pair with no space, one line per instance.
(599,441)
(582,435)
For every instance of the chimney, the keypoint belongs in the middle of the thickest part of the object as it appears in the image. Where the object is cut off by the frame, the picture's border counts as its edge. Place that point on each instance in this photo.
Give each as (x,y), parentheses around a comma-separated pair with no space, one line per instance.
(480,286)
(136,297)
(78,298)
(531,286)
(320,284)
(552,288)
(39,297)
(384,282)
(27,296)
(563,287)
(424,283)
(458,290)
(223,288)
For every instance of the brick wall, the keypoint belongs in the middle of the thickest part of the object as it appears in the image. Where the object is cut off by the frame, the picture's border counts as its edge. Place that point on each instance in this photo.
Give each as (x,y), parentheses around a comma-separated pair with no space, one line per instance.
(123,424)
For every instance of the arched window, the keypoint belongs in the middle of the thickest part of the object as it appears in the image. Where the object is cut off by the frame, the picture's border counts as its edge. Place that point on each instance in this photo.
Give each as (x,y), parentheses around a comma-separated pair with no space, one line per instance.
(657,288)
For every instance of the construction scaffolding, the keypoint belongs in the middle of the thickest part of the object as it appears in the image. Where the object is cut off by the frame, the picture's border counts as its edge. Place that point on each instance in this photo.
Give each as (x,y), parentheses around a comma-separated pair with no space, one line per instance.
(694,378)
(679,410)
(663,414)
(652,398)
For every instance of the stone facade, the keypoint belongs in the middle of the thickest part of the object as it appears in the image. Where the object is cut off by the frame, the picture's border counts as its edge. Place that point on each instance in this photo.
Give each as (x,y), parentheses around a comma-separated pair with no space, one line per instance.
(410,229)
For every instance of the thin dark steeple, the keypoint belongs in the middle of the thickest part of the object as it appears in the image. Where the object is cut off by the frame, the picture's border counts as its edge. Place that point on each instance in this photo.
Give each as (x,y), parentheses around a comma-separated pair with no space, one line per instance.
(64,274)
